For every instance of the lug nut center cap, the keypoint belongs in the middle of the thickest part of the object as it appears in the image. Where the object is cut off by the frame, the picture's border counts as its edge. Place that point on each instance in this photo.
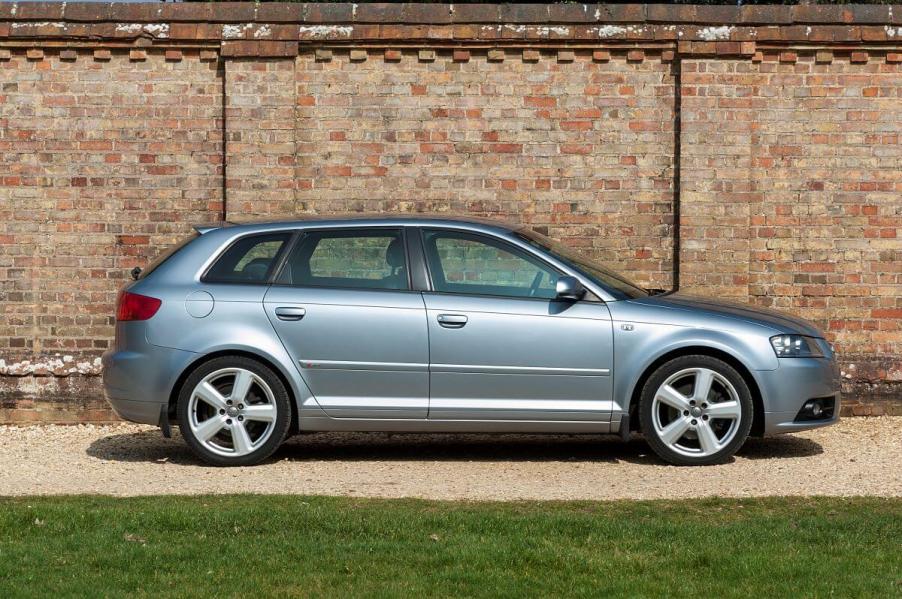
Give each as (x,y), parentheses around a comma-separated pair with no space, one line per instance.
(695,411)
(232,411)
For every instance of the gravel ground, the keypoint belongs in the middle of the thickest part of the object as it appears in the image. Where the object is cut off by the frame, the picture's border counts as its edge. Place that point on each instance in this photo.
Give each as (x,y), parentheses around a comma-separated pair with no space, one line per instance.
(859,456)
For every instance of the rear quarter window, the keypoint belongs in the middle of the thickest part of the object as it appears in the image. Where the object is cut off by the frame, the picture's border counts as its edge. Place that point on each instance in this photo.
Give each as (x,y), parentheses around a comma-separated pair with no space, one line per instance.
(250,259)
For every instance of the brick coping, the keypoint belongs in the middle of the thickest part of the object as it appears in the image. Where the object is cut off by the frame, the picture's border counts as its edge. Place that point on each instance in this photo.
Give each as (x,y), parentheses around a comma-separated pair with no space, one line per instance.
(401,13)
(272,26)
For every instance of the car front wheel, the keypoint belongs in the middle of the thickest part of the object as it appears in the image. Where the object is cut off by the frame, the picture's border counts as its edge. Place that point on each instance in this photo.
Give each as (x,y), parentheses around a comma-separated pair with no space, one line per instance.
(696,410)
(233,411)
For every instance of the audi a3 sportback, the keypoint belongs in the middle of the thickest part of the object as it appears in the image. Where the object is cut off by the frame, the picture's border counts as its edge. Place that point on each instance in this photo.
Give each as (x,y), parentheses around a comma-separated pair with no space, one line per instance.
(246,334)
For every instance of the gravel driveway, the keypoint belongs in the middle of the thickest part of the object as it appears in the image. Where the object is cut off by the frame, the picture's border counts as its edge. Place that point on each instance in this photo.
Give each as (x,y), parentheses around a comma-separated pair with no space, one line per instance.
(860,456)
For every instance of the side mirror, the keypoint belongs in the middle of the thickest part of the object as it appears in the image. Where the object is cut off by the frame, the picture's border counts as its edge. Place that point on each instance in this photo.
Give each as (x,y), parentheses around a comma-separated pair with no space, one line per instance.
(569,288)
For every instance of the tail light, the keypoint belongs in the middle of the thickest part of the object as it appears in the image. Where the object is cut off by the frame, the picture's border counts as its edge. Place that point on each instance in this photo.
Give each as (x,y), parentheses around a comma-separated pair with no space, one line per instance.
(132,306)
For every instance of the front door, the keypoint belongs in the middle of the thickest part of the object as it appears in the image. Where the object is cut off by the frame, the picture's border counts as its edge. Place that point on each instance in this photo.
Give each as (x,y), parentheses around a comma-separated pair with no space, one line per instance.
(501,346)
(343,309)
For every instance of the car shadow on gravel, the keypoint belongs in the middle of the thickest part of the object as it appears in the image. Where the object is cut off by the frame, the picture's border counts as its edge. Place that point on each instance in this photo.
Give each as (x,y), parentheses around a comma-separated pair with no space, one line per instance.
(150,446)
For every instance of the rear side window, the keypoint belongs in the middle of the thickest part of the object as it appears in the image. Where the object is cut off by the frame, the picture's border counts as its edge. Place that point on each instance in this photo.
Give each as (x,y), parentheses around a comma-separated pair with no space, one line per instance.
(249,260)
(351,259)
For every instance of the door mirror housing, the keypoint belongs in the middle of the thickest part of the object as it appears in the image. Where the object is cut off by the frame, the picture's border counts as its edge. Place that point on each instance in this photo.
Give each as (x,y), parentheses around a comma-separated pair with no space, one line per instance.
(569,288)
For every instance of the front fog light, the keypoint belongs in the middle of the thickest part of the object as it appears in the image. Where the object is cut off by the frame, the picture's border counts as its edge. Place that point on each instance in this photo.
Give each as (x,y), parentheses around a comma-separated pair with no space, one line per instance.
(815,408)
(795,346)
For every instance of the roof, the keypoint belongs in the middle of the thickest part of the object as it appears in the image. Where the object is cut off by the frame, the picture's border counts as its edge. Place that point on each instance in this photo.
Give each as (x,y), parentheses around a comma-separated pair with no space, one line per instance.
(323,220)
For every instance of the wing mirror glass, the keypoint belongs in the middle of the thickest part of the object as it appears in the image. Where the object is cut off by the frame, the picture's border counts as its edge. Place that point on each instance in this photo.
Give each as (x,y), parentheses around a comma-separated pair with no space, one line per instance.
(569,288)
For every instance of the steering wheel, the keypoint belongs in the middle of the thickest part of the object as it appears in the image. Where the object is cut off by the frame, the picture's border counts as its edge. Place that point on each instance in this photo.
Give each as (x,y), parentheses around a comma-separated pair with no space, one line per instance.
(536,281)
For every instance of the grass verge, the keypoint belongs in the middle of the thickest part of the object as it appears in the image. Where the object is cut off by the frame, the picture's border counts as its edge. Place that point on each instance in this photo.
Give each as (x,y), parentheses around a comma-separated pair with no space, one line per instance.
(318,546)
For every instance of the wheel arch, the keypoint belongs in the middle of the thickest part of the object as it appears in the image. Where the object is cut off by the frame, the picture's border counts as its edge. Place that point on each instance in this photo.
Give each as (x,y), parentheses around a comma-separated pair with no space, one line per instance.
(692,350)
(263,359)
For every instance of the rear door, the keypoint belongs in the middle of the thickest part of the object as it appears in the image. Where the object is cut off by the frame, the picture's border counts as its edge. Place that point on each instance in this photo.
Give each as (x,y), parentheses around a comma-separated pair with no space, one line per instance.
(343,308)
(501,346)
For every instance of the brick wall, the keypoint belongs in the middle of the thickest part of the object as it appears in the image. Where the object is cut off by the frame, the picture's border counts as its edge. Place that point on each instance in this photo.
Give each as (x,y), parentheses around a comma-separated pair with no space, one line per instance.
(580,147)
(751,153)
(792,194)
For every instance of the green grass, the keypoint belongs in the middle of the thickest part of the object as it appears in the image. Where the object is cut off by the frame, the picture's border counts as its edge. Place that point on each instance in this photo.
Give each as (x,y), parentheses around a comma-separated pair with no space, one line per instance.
(315,546)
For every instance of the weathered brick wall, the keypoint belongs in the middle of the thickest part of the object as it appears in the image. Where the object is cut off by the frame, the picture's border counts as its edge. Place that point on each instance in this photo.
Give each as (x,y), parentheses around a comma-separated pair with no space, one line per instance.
(575,145)
(260,139)
(105,158)
(751,153)
(792,179)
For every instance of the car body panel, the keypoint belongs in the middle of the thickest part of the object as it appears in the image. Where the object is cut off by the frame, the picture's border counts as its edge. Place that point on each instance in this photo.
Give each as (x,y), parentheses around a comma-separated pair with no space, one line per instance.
(362,353)
(519,359)
(697,305)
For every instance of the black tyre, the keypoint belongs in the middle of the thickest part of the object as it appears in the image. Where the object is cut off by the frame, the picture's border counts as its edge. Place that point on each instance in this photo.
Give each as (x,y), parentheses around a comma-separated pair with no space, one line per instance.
(233,411)
(696,410)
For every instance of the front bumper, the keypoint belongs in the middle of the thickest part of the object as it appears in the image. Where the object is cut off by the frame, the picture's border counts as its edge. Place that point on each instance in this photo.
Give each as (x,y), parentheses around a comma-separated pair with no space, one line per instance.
(138,381)
(785,390)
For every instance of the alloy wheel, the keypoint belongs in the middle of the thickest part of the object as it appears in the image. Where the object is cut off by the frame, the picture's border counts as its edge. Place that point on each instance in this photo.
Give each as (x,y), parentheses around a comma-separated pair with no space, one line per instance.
(232,412)
(696,412)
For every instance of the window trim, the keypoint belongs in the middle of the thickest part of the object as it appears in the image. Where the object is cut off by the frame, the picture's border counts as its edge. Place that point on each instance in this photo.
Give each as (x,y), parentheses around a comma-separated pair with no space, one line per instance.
(514,250)
(273,268)
(302,234)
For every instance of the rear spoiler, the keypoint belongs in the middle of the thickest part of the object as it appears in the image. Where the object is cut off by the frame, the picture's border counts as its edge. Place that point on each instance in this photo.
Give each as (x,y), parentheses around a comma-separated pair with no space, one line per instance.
(202,229)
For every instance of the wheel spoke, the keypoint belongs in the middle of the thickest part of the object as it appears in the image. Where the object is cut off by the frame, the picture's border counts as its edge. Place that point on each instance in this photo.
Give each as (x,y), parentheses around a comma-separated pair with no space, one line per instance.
(262,412)
(243,381)
(210,395)
(241,441)
(706,438)
(703,381)
(673,431)
(673,398)
(207,429)
(725,409)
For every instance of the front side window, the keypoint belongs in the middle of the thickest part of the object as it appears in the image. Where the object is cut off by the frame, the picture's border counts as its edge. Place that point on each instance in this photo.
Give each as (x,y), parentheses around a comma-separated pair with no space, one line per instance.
(251,259)
(473,264)
(349,259)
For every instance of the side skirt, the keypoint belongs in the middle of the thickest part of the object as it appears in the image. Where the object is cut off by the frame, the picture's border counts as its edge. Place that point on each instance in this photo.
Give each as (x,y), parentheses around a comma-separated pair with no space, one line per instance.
(323,424)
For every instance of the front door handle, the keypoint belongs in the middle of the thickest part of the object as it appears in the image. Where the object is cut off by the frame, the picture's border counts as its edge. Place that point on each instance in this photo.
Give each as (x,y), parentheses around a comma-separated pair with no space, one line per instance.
(452,321)
(290,313)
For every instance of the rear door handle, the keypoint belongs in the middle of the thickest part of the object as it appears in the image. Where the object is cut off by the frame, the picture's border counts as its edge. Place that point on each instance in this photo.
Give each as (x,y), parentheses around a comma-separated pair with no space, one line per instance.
(452,321)
(288,313)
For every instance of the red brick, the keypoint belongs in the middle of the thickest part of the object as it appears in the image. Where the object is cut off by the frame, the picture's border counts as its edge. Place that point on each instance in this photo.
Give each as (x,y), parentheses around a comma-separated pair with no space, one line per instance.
(506,148)
(601,55)
(461,55)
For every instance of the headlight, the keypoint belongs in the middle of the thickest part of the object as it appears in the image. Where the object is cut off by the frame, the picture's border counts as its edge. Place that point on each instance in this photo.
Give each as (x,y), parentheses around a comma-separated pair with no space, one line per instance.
(796,346)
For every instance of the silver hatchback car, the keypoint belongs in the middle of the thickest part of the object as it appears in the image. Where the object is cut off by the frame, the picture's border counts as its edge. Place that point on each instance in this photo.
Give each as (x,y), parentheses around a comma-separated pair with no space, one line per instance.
(243,335)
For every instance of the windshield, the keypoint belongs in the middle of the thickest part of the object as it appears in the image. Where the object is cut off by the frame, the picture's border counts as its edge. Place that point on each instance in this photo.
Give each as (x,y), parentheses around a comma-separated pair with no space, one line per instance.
(597,273)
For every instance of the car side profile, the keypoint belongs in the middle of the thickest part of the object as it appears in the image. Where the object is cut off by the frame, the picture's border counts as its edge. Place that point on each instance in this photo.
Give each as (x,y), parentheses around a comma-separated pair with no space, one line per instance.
(244,335)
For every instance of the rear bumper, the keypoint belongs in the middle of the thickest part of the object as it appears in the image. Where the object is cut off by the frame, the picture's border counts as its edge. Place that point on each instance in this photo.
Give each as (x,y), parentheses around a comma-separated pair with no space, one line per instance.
(786,389)
(138,381)
(144,412)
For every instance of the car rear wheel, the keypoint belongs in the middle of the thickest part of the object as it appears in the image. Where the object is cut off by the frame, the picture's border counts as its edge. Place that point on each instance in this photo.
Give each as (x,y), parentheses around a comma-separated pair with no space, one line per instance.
(696,410)
(233,411)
